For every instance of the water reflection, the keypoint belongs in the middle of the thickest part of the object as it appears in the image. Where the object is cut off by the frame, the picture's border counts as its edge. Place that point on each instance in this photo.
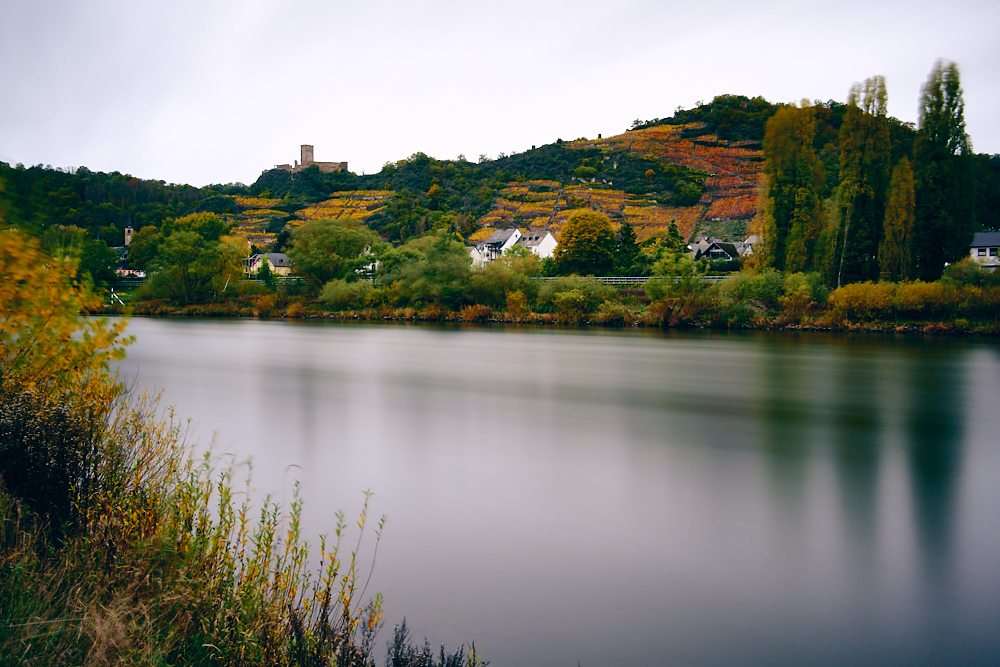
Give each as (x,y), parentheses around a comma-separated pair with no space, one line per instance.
(934,430)
(696,498)
(857,425)
(787,423)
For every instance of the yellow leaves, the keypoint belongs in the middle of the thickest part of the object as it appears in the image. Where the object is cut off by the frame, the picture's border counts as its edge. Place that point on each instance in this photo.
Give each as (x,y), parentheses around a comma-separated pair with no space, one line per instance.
(46,345)
(256,202)
(351,203)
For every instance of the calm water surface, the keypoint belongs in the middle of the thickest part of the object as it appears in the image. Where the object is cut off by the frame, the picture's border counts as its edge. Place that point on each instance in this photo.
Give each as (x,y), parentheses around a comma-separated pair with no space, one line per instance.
(629,498)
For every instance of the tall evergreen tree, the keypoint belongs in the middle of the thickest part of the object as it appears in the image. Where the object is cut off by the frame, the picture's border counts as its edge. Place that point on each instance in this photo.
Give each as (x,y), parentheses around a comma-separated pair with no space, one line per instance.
(865,165)
(943,174)
(626,250)
(792,212)
(895,254)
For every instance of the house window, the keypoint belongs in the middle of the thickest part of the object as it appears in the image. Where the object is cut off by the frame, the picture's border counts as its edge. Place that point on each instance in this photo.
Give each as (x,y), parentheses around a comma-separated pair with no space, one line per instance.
(982,252)
(993,252)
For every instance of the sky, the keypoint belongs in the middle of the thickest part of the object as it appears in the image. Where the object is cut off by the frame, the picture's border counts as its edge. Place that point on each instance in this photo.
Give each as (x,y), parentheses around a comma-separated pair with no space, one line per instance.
(216,91)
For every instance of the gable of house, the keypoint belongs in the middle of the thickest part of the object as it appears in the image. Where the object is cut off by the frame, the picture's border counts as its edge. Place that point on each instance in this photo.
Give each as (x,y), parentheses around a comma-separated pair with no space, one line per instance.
(717,250)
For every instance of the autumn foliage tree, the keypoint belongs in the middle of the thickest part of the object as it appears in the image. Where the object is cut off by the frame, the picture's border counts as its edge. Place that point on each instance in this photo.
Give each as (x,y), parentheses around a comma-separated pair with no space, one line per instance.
(55,388)
(44,345)
(792,211)
(865,165)
(586,245)
(193,260)
(896,250)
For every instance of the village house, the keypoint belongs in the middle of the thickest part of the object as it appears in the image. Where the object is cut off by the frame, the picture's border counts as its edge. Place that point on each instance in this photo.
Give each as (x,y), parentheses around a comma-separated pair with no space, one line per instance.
(985,247)
(279,262)
(541,244)
(713,249)
(496,245)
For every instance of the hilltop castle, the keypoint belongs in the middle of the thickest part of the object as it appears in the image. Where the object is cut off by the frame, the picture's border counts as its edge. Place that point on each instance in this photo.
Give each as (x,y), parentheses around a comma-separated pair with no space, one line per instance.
(307,161)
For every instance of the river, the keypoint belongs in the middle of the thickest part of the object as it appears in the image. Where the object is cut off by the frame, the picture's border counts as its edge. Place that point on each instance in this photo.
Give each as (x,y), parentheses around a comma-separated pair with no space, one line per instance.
(595,497)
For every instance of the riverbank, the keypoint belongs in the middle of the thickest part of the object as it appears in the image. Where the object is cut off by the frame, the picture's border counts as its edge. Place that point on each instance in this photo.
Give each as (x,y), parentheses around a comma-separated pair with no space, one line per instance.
(621,317)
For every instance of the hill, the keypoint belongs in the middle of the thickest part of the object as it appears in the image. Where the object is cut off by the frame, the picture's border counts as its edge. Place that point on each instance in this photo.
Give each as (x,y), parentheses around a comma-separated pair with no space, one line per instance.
(700,169)
(699,173)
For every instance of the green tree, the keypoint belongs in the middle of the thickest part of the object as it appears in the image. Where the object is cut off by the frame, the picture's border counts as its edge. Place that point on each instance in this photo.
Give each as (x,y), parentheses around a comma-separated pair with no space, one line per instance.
(95,259)
(509,273)
(324,250)
(206,225)
(264,273)
(586,245)
(144,247)
(943,175)
(792,210)
(98,260)
(896,251)
(626,250)
(865,159)
(433,269)
(191,269)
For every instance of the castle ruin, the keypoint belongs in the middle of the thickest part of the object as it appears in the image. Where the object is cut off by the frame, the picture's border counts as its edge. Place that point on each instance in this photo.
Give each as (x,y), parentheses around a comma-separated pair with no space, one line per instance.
(308,161)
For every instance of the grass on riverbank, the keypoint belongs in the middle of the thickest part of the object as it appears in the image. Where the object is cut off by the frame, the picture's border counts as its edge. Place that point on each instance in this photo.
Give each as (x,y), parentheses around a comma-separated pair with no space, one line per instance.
(141,555)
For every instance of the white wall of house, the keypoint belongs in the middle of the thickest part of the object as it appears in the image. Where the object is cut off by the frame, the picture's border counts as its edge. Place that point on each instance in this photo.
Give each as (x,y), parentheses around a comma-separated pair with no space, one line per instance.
(545,247)
(478,257)
(988,256)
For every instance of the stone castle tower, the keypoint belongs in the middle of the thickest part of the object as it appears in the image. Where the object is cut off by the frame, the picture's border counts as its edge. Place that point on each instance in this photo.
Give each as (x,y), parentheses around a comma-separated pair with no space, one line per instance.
(307,155)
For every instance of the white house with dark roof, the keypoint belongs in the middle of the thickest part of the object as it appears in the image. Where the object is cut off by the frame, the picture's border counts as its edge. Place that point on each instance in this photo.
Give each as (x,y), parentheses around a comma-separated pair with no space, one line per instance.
(496,245)
(986,249)
(714,249)
(542,244)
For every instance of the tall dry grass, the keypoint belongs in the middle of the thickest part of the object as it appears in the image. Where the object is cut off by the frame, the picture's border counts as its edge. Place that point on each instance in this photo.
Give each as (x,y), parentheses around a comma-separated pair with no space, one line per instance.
(164,561)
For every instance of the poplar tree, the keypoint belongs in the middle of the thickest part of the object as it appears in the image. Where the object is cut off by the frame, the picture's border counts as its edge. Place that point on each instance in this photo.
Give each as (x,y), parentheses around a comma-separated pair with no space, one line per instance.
(943,175)
(865,165)
(792,212)
(896,251)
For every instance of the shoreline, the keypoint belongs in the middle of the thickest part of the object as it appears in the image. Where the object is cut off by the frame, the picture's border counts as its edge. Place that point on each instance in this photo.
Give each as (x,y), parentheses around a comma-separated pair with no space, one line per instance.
(436,315)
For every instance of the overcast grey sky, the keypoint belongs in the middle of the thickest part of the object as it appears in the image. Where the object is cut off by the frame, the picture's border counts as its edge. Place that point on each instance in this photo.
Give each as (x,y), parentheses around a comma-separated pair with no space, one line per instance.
(215,91)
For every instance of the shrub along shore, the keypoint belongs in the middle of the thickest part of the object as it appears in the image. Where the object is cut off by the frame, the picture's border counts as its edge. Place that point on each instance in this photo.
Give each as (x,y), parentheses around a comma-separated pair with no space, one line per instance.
(965,301)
